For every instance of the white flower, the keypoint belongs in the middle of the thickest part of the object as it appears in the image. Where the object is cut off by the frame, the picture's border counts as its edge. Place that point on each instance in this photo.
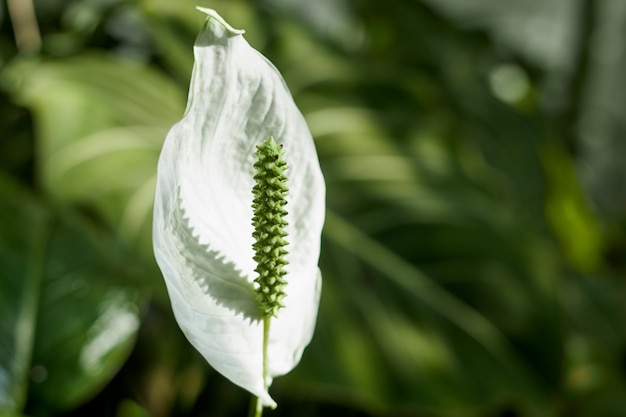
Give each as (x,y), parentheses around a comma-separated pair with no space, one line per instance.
(203,211)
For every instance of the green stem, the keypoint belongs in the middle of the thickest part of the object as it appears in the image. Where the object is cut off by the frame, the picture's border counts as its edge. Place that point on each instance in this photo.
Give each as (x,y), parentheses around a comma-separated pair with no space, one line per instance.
(256,406)
(24,20)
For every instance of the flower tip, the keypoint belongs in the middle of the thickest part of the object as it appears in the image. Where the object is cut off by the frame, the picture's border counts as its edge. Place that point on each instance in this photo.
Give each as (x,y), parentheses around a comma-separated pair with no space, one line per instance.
(272,405)
(266,398)
(212,14)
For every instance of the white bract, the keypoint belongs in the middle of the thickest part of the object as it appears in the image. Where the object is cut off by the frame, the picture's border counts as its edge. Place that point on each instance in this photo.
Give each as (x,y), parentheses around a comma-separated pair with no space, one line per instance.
(203,211)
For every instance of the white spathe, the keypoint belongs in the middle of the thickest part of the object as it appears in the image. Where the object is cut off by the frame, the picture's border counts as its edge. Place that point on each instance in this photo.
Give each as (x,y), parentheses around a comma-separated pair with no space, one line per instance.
(202,229)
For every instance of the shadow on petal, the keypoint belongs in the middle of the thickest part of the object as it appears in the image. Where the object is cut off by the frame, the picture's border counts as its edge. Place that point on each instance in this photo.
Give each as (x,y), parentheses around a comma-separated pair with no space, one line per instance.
(214,274)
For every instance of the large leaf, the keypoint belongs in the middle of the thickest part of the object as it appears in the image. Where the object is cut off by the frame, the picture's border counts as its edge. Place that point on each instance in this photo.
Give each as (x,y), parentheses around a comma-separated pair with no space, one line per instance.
(68,316)
(100,124)
(422,343)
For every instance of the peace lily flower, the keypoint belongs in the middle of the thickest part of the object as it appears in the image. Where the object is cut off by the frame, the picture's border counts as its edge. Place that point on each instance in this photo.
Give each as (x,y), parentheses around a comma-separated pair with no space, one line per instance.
(203,213)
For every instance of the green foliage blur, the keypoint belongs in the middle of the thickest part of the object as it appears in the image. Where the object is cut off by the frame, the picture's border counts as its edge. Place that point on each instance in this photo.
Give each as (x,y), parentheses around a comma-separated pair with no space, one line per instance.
(474,253)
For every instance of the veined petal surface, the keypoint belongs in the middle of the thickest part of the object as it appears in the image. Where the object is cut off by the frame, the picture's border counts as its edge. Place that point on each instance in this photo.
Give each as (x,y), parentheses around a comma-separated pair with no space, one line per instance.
(202,228)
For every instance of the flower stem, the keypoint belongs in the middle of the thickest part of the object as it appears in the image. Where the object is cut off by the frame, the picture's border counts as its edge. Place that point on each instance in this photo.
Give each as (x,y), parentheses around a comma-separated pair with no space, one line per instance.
(256,409)
(24,20)
(256,406)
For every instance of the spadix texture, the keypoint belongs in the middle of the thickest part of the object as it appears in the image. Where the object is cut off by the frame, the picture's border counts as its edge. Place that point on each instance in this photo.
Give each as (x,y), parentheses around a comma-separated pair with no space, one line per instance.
(203,211)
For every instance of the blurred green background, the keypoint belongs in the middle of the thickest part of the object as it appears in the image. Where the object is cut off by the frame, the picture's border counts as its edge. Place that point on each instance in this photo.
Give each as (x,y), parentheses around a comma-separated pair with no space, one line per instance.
(474,254)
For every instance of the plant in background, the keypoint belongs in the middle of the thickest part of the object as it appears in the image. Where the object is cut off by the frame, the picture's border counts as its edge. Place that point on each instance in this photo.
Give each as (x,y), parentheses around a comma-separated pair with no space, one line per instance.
(204,213)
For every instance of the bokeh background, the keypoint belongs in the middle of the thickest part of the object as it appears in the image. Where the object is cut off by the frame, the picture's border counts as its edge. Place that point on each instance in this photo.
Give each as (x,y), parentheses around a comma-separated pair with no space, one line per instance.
(474,254)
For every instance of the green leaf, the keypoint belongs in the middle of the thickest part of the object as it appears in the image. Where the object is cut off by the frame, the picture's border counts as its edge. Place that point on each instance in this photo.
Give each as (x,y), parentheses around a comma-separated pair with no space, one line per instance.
(20,266)
(100,123)
(433,342)
(68,317)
